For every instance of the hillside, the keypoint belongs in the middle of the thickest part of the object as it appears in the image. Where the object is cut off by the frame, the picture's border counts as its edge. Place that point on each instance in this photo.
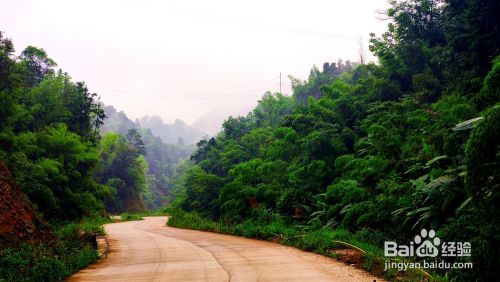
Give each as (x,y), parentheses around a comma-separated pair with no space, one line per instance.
(370,153)
(388,163)
(211,122)
(177,132)
(162,157)
(18,219)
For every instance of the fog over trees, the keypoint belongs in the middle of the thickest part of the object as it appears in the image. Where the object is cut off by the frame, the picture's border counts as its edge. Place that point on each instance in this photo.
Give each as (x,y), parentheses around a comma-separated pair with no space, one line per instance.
(360,153)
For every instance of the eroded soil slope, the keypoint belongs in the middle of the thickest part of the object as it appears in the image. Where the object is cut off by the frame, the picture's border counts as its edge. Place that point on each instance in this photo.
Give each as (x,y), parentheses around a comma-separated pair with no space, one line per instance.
(18,219)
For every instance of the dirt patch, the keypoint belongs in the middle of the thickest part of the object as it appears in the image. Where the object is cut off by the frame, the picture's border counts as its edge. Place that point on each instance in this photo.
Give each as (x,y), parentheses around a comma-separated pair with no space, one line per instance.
(278,238)
(357,258)
(18,219)
(102,246)
(350,256)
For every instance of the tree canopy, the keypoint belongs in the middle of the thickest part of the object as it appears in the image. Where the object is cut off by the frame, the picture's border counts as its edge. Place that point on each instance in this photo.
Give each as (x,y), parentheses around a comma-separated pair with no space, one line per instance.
(375,147)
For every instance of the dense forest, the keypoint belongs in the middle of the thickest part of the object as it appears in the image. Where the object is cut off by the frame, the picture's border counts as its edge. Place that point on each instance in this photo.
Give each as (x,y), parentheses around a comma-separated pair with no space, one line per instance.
(380,150)
(53,143)
(49,132)
(370,151)
(72,170)
(162,158)
(49,141)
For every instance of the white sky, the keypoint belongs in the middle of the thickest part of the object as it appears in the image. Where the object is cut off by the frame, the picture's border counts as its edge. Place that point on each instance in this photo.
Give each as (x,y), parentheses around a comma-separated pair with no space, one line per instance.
(182,59)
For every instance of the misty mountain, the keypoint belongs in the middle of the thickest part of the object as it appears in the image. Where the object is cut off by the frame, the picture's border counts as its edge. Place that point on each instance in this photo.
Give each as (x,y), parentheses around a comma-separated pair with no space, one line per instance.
(176,132)
(117,121)
(211,122)
(162,157)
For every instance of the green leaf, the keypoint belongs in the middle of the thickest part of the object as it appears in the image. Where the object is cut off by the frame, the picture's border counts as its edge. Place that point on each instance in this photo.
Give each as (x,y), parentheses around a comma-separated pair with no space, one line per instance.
(463,204)
(429,163)
(468,124)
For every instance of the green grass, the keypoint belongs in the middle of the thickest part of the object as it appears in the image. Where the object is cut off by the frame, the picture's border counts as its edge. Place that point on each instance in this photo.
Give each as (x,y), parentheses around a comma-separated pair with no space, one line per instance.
(159,212)
(73,249)
(139,216)
(130,217)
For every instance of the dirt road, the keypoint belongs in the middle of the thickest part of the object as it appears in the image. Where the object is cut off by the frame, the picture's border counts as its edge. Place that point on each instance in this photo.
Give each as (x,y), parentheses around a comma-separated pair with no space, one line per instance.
(149,250)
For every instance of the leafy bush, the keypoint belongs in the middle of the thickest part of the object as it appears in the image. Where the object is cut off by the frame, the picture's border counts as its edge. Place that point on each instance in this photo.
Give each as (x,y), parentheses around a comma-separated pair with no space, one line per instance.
(130,216)
(72,250)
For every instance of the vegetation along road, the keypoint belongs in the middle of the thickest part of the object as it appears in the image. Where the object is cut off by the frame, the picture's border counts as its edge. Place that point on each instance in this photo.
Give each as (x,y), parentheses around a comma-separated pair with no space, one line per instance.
(149,250)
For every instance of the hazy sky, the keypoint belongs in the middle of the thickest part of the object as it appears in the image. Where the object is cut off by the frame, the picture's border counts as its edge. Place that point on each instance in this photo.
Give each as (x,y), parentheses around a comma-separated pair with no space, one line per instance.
(182,59)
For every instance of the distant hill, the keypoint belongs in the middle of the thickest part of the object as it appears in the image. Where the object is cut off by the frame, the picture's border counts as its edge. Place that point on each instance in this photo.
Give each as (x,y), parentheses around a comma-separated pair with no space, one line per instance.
(167,146)
(211,122)
(117,121)
(177,132)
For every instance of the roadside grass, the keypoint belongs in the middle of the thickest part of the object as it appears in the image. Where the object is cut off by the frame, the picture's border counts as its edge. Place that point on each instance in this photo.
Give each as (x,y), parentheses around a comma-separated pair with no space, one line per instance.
(139,216)
(129,217)
(363,251)
(73,249)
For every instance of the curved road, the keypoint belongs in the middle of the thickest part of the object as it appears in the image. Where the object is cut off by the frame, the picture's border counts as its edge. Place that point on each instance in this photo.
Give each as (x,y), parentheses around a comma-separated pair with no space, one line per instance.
(149,250)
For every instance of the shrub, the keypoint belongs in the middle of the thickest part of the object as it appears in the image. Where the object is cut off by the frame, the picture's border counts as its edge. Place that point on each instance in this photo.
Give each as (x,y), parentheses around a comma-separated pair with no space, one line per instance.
(73,250)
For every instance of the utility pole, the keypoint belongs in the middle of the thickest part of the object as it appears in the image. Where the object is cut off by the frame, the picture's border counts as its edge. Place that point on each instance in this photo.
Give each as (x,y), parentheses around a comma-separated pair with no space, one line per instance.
(280,82)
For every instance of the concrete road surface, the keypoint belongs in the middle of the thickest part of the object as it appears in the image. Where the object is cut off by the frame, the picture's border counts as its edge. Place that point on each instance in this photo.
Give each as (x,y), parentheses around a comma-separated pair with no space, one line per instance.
(148,250)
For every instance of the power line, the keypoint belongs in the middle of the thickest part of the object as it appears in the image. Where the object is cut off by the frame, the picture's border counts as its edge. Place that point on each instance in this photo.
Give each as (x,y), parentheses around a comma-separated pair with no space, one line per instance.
(181,97)
(156,91)
(138,95)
